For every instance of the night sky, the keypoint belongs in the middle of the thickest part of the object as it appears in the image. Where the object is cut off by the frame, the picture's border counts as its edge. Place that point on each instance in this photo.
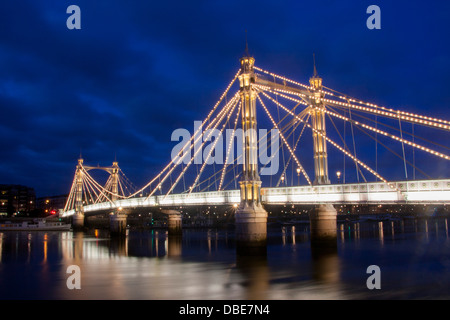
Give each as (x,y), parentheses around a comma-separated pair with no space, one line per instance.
(137,70)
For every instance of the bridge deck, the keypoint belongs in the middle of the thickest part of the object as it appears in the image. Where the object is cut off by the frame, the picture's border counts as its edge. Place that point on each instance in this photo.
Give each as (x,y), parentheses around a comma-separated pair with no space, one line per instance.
(411,192)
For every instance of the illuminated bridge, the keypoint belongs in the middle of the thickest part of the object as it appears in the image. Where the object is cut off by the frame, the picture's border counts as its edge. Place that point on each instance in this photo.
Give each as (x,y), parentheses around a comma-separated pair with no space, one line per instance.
(412,192)
(226,161)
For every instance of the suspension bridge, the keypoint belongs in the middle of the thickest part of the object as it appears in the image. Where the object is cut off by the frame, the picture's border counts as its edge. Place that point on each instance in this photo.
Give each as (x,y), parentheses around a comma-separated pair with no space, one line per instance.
(240,173)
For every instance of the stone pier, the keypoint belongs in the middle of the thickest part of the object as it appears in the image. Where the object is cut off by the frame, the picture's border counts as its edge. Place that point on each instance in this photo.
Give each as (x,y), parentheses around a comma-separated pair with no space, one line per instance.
(323,221)
(251,230)
(174,221)
(78,221)
(118,223)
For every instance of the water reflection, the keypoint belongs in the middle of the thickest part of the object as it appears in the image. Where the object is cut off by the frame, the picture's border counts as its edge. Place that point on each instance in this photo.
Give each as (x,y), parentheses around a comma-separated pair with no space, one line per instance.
(175,245)
(325,264)
(381,232)
(255,272)
(204,264)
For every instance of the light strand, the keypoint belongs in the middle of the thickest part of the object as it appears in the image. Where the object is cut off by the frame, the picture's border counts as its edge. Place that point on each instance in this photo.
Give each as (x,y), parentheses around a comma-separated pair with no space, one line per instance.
(284,140)
(336,145)
(415,145)
(189,142)
(230,143)
(282,78)
(224,111)
(230,111)
(388,114)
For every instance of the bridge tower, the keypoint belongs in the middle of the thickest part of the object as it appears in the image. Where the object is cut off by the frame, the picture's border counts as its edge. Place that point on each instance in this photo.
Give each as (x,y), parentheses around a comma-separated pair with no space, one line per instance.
(250,217)
(324,217)
(115,180)
(78,217)
(117,218)
(319,132)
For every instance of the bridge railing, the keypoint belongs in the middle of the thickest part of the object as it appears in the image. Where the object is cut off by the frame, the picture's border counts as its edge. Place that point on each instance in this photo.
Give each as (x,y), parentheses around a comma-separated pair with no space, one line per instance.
(404,192)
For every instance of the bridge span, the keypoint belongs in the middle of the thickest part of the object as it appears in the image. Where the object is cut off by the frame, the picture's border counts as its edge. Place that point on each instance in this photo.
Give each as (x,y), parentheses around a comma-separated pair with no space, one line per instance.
(299,107)
(400,192)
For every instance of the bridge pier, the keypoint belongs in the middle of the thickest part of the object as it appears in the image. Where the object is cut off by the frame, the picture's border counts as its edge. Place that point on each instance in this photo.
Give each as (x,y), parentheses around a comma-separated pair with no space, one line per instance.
(78,221)
(251,230)
(323,221)
(174,222)
(118,223)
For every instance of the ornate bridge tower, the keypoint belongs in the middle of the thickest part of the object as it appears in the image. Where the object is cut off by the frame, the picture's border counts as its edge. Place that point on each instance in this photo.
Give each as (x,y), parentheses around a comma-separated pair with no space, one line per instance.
(324,217)
(78,217)
(117,218)
(318,123)
(250,217)
(114,171)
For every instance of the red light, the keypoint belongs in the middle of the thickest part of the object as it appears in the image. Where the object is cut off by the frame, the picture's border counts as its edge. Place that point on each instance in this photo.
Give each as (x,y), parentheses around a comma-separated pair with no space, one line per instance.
(53,211)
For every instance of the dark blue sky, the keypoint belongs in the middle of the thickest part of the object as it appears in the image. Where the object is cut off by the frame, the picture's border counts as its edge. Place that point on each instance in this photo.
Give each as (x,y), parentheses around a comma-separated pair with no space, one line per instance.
(137,70)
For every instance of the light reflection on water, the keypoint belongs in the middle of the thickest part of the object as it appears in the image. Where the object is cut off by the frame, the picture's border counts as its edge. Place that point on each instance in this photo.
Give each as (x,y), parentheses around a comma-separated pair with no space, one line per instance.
(414,258)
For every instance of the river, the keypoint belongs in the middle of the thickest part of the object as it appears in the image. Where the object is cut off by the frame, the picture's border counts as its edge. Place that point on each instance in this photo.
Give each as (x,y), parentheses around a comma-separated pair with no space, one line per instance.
(413,257)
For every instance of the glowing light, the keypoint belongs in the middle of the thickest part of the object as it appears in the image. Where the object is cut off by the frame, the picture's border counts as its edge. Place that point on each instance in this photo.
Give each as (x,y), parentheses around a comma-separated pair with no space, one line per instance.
(282,78)
(214,144)
(331,141)
(392,114)
(284,140)
(229,148)
(389,135)
(214,122)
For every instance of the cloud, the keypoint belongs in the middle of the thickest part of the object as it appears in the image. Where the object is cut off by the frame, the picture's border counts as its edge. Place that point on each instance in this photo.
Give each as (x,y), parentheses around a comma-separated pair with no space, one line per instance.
(137,71)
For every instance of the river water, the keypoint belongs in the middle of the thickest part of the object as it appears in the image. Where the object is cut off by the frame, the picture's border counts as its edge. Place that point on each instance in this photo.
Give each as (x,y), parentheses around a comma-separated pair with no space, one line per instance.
(413,257)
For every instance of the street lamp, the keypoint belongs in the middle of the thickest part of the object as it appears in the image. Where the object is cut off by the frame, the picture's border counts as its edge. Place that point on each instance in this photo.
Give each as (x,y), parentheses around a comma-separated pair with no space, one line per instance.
(338,176)
(298,176)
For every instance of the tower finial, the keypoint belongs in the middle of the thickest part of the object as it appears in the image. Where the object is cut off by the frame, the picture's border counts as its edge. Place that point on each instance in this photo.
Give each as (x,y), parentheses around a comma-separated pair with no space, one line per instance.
(246,45)
(315,70)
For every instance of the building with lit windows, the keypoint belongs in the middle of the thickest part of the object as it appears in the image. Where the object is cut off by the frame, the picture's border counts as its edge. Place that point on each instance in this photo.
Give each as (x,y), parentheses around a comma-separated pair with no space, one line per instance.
(51,205)
(16,200)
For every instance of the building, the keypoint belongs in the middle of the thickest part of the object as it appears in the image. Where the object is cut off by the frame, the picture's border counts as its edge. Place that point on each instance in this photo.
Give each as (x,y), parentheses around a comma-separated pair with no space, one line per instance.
(51,205)
(16,200)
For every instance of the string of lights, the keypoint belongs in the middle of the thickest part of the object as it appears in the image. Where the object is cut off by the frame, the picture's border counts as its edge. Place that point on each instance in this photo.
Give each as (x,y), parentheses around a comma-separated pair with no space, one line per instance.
(408,116)
(389,114)
(415,145)
(195,134)
(230,143)
(191,146)
(69,203)
(285,142)
(205,162)
(220,117)
(335,144)
(282,78)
